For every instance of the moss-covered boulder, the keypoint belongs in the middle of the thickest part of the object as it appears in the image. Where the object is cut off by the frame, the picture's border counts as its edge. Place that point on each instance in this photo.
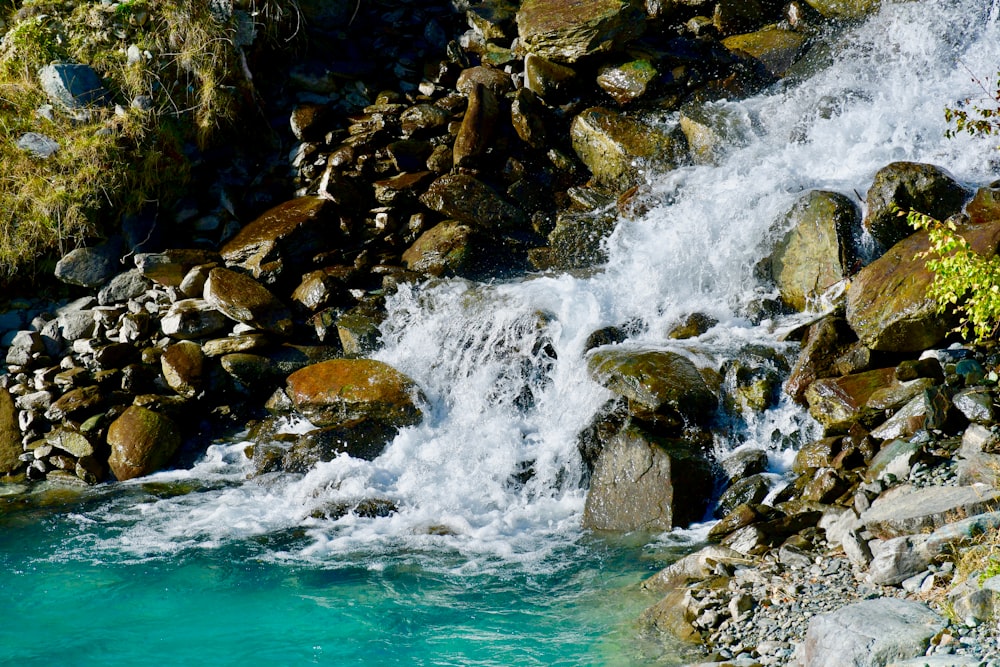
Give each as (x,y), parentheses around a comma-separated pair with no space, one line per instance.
(628,81)
(286,236)
(656,383)
(142,442)
(887,303)
(909,186)
(339,391)
(450,248)
(245,300)
(615,147)
(641,482)
(817,250)
(567,31)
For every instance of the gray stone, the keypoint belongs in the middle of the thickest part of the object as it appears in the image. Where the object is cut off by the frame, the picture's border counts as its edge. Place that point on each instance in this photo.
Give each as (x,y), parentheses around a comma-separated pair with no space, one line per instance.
(193,318)
(694,567)
(77,324)
(168,268)
(906,510)
(976,404)
(744,463)
(88,267)
(870,634)
(901,424)
(25,347)
(645,483)
(73,86)
(127,285)
(38,145)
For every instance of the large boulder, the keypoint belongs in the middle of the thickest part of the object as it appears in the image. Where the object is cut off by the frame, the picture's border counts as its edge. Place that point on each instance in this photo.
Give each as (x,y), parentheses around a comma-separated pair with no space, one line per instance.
(192,318)
(340,391)
(566,31)
(887,303)
(656,384)
(183,367)
(909,186)
(169,267)
(817,251)
(88,267)
(871,633)
(245,300)
(837,403)
(286,236)
(641,482)
(10,435)
(362,440)
(479,126)
(615,147)
(142,442)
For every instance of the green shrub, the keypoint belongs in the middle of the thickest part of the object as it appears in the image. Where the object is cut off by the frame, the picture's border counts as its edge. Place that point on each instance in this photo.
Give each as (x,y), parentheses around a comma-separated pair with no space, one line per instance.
(964,280)
(974,119)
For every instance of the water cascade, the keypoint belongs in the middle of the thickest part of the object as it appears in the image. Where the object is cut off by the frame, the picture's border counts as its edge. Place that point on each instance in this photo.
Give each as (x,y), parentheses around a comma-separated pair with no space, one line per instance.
(489,489)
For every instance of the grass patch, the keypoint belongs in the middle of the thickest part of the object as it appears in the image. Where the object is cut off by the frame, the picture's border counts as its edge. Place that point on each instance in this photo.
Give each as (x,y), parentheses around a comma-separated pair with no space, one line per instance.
(182,60)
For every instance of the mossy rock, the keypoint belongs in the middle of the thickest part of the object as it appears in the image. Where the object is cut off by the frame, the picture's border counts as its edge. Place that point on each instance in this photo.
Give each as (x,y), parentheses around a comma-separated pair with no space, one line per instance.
(567,31)
(142,442)
(10,435)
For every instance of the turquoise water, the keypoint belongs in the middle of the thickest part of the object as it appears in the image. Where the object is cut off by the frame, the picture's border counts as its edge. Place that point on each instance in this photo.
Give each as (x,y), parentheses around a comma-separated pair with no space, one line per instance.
(249,602)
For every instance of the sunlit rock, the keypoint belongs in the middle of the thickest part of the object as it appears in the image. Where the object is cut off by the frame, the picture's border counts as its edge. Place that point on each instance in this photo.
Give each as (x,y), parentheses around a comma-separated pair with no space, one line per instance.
(142,442)
(339,391)
(566,32)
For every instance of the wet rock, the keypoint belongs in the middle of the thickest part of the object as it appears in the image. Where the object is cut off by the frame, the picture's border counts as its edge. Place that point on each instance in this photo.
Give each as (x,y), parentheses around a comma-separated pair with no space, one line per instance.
(985,205)
(528,117)
(142,442)
(550,81)
(776,48)
(244,300)
(362,440)
(471,201)
(70,441)
(641,482)
(168,268)
(616,147)
(496,81)
(817,252)
(193,318)
(479,126)
(907,510)
(628,81)
(253,373)
(976,405)
(309,122)
(894,459)
(750,491)
(887,303)
(744,463)
(248,342)
(565,33)
(656,383)
(870,633)
(693,326)
(837,403)
(576,242)
(909,186)
(339,391)
(286,236)
(711,129)
(670,616)
(450,248)
(183,367)
(401,189)
(358,329)
(905,422)
(82,401)
(845,9)
(423,119)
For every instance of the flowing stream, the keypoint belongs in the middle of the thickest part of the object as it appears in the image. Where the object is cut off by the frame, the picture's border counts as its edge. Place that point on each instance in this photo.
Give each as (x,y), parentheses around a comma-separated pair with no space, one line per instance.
(485,563)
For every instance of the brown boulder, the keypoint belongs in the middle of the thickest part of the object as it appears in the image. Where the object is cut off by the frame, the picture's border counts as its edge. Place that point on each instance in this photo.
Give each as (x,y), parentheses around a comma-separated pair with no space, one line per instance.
(10,435)
(288,235)
(837,403)
(339,391)
(142,442)
(243,299)
(182,365)
(566,31)
(471,201)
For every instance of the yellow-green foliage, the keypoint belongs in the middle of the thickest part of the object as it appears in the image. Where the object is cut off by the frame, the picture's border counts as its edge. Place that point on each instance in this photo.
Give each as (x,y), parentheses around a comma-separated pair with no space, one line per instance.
(963,279)
(192,69)
(976,119)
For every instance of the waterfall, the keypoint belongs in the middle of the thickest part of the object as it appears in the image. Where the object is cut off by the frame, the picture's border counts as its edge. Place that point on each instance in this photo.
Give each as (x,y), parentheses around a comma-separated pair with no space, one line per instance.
(493,472)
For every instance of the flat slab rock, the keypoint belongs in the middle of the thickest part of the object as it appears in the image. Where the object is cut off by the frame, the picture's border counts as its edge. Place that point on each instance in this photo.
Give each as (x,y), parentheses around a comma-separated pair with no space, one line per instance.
(906,510)
(871,633)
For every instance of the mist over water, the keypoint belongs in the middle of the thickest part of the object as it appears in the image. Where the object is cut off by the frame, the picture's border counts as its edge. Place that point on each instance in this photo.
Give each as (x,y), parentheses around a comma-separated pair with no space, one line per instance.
(491,483)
